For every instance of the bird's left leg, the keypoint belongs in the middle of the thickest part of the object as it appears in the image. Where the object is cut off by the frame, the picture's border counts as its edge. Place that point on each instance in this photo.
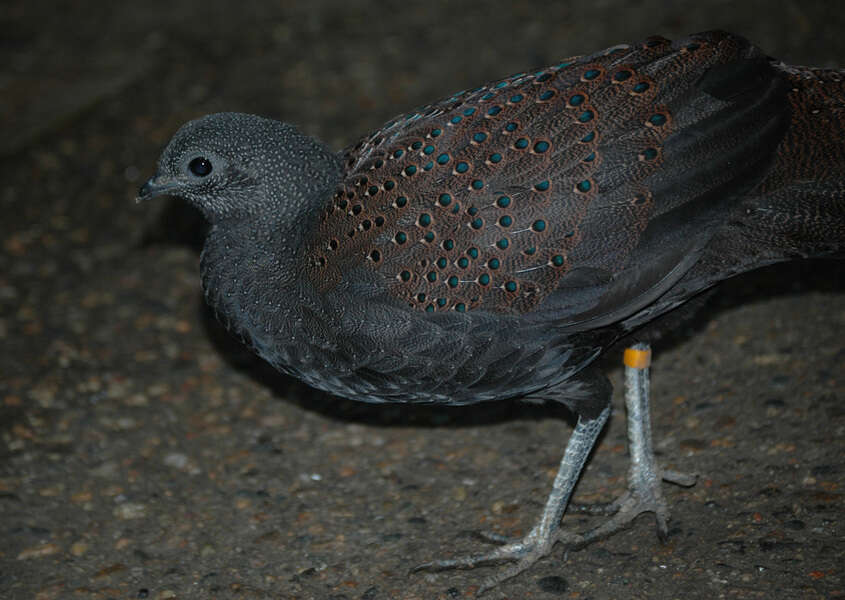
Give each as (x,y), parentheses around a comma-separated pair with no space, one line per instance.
(644,474)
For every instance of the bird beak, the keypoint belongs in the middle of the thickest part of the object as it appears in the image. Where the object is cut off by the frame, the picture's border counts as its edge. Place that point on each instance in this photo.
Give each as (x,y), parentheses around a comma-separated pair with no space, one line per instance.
(155,186)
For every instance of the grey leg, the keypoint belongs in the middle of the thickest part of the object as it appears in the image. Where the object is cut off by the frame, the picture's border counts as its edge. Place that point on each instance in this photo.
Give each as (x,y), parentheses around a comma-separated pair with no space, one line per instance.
(545,532)
(643,494)
(644,475)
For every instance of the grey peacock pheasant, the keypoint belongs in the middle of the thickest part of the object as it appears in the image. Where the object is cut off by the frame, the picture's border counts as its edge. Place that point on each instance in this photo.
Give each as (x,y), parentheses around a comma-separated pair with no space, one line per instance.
(491,245)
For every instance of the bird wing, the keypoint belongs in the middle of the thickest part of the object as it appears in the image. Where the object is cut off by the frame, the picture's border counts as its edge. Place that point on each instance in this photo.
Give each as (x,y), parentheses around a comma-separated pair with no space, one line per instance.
(574,195)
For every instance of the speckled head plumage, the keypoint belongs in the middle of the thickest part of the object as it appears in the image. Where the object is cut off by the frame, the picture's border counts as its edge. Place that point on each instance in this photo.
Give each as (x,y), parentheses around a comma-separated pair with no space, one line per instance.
(234,164)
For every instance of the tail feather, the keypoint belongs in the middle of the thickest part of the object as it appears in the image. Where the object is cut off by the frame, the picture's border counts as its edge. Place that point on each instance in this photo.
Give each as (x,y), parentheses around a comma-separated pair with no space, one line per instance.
(799,209)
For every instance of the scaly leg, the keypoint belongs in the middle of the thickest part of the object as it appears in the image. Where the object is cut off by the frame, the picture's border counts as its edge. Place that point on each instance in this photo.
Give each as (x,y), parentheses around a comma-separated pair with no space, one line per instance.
(539,541)
(643,494)
(644,475)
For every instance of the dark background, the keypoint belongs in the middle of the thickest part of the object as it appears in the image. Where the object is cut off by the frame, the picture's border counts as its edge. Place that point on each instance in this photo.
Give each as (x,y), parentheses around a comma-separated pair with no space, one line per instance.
(143,454)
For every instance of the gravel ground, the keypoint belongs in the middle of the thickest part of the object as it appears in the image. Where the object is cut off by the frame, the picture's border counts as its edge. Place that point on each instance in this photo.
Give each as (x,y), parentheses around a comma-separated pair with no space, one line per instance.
(143,454)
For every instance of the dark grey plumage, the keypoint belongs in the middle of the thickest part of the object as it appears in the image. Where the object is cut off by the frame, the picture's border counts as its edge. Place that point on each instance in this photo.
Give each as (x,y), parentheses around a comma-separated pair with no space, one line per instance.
(492,244)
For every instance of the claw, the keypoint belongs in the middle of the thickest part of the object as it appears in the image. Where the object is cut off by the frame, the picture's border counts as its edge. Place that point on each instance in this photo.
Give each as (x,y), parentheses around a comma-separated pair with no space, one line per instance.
(643,494)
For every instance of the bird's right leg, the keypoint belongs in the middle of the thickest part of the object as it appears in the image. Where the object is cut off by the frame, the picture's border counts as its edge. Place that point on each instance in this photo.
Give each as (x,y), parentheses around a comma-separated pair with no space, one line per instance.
(546,532)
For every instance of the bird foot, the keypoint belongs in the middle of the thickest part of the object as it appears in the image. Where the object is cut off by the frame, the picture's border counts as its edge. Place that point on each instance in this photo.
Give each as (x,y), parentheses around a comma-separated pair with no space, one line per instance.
(522,552)
(643,495)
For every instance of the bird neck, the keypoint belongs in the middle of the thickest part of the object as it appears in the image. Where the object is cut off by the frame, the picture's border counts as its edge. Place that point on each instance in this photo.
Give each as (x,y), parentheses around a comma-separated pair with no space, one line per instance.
(252,275)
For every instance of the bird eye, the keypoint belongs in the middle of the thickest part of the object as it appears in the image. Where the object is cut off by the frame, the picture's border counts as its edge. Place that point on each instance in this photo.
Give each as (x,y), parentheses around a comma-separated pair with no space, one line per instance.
(200,166)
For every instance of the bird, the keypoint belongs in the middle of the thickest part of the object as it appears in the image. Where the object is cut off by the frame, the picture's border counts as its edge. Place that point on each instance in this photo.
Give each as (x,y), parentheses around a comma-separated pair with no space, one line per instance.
(493,244)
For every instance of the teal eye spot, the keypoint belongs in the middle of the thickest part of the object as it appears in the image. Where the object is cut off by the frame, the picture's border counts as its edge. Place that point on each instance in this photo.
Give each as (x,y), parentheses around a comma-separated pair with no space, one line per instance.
(456,209)
(401,237)
(539,225)
(405,275)
(436,132)
(410,170)
(388,185)
(420,297)
(452,281)
(649,154)
(488,96)
(510,286)
(441,263)
(517,98)
(429,237)
(563,65)
(494,110)
(503,243)
(379,164)
(693,47)
(506,221)
(510,127)
(469,111)
(429,308)
(589,137)
(398,153)
(479,137)
(544,77)
(448,244)
(493,263)
(569,233)
(460,307)
(521,144)
(622,76)
(500,85)
(586,116)
(462,167)
(473,252)
(503,201)
(431,276)
(543,186)
(456,120)
(592,74)
(425,220)
(428,166)
(477,223)
(444,199)
(372,190)
(443,159)
(530,251)
(576,100)
(428,149)
(495,158)
(557,260)
(441,302)
(584,186)
(416,145)
(472,211)
(590,157)
(463,262)
(657,119)
(484,279)
(401,201)
(477,184)
(541,147)
(641,87)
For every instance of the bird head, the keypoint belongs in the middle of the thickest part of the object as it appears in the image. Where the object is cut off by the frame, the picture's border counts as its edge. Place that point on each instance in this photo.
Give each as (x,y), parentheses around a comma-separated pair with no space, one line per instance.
(234,165)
